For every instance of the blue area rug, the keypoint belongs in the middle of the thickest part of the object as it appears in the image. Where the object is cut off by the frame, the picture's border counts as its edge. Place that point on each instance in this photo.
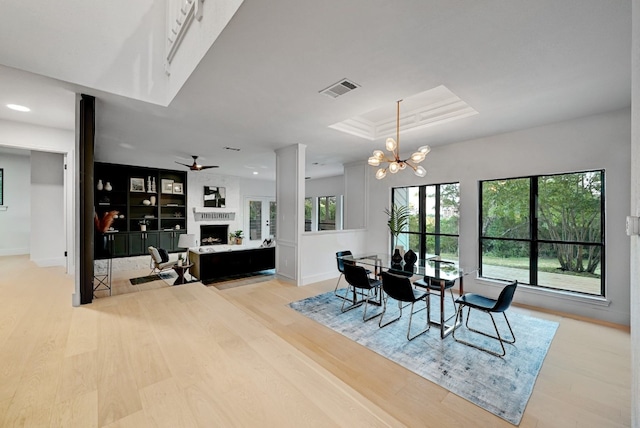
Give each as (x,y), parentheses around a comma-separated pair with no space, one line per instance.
(501,386)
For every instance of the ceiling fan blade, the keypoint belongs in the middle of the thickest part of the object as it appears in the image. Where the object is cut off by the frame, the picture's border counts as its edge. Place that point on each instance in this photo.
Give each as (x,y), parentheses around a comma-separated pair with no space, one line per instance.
(195,166)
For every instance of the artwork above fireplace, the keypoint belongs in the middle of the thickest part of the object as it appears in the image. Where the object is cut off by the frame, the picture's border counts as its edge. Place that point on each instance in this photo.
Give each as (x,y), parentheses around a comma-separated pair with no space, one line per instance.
(214,234)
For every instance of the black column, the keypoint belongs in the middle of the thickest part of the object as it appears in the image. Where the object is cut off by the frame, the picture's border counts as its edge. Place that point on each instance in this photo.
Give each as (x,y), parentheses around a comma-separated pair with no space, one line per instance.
(87,134)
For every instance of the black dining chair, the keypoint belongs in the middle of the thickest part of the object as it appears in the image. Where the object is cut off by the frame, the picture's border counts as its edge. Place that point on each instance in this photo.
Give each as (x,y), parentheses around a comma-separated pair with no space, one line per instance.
(489,306)
(434,286)
(360,284)
(341,262)
(398,287)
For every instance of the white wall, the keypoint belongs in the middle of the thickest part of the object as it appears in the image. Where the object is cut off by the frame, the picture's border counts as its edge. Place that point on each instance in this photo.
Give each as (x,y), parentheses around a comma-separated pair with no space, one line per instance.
(41,138)
(15,222)
(195,199)
(593,142)
(237,189)
(47,202)
(198,40)
(327,186)
(318,249)
(32,137)
(259,188)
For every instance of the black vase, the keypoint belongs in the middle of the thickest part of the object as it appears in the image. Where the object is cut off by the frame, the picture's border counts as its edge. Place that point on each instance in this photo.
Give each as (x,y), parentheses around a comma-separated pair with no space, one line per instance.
(410,257)
(396,258)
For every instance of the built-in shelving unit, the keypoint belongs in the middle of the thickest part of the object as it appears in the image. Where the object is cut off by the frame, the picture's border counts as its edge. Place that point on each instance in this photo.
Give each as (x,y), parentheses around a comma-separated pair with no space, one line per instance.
(151,205)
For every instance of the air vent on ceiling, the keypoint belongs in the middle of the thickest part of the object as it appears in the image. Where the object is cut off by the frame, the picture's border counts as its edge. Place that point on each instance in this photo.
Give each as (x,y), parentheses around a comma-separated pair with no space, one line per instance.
(340,88)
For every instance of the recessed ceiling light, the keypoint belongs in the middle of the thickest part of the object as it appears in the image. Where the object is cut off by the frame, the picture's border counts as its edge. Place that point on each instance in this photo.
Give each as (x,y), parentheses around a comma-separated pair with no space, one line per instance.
(18,107)
(255,172)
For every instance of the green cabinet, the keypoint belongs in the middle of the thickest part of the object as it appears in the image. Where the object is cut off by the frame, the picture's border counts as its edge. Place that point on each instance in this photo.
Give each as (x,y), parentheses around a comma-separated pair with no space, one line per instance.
(139,242)
(119,245)
(111,244)
(169,239)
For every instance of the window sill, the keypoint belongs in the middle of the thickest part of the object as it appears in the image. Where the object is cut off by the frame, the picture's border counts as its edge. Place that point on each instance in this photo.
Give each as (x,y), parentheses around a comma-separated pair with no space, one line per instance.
(556,294)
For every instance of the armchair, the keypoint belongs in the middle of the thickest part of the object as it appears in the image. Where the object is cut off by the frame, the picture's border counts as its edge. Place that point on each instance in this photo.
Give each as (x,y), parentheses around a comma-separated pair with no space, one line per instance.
(156,264)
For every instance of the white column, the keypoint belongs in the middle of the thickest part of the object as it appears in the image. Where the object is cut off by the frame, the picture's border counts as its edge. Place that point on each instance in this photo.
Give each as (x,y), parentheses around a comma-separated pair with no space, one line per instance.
(290,172)
(356,195)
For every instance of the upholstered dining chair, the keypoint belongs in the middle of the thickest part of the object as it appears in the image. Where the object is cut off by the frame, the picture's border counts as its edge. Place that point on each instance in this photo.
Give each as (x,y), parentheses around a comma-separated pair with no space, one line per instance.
(341,262)
(361,285)
(398,287)
(489,306)
(156,264)
(434,286)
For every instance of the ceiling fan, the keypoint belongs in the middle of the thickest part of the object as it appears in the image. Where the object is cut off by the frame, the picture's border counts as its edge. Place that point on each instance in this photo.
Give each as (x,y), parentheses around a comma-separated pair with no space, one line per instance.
(196,166)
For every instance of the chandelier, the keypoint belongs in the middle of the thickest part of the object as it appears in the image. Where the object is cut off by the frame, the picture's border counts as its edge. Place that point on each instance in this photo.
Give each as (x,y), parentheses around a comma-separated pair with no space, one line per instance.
(394,162)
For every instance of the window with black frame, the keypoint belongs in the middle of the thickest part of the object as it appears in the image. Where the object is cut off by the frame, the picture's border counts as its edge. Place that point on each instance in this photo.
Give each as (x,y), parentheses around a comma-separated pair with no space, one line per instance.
(433,223)
(327,213)
(546,231)
(1,186)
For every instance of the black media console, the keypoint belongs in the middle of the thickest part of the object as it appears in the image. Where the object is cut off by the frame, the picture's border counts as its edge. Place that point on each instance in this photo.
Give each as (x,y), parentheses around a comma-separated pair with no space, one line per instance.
(212,265)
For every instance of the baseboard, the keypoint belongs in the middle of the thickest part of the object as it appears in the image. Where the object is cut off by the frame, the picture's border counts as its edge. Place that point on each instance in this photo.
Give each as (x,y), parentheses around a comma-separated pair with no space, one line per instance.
(312,279)
(60,261)
(14,252)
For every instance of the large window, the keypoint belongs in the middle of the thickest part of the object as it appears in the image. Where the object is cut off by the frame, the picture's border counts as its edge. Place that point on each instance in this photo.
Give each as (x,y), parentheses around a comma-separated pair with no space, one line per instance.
(546,231)
(1,186)
(323,213)
(433,225)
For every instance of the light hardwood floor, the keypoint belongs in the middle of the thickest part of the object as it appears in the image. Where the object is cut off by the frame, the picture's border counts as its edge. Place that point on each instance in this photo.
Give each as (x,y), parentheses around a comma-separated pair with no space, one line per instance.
(195,356)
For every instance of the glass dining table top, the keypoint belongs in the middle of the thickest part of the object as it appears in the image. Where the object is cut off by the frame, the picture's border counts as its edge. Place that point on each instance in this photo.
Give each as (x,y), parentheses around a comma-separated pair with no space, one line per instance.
(430,266)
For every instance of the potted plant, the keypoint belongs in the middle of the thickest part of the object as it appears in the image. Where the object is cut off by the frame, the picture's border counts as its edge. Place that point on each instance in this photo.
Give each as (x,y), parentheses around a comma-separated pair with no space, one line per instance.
(143,225)
(237,236)
(398,222)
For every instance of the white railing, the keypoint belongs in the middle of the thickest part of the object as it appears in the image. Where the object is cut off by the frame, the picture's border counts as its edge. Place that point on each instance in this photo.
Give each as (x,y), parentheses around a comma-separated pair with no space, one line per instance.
(180,16)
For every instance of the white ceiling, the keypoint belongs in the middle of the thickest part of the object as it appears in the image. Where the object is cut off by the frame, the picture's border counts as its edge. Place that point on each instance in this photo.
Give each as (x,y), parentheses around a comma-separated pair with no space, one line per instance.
(519,64)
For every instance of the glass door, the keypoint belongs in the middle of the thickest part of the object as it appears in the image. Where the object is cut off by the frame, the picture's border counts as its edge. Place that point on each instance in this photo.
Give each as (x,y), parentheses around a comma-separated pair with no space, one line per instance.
(260,218)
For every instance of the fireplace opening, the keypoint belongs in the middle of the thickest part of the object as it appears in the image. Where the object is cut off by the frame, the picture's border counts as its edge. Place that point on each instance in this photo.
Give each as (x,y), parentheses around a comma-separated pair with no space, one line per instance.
(214,234)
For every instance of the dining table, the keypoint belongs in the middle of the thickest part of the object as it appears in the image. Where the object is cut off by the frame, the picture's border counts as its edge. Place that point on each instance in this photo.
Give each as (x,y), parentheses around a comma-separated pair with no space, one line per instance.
(431,267)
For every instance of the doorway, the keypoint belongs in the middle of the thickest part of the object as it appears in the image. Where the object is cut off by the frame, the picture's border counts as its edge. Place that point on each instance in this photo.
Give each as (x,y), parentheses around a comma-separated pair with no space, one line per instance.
(260,218)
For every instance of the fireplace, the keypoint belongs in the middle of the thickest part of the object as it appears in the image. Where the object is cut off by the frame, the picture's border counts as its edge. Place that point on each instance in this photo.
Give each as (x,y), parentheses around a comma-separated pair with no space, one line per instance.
(214,234)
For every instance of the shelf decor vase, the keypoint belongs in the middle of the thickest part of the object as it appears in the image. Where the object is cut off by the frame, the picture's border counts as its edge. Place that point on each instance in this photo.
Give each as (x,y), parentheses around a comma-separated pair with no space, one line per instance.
(108,187)
(99,186)
(143,228)
(153,200)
